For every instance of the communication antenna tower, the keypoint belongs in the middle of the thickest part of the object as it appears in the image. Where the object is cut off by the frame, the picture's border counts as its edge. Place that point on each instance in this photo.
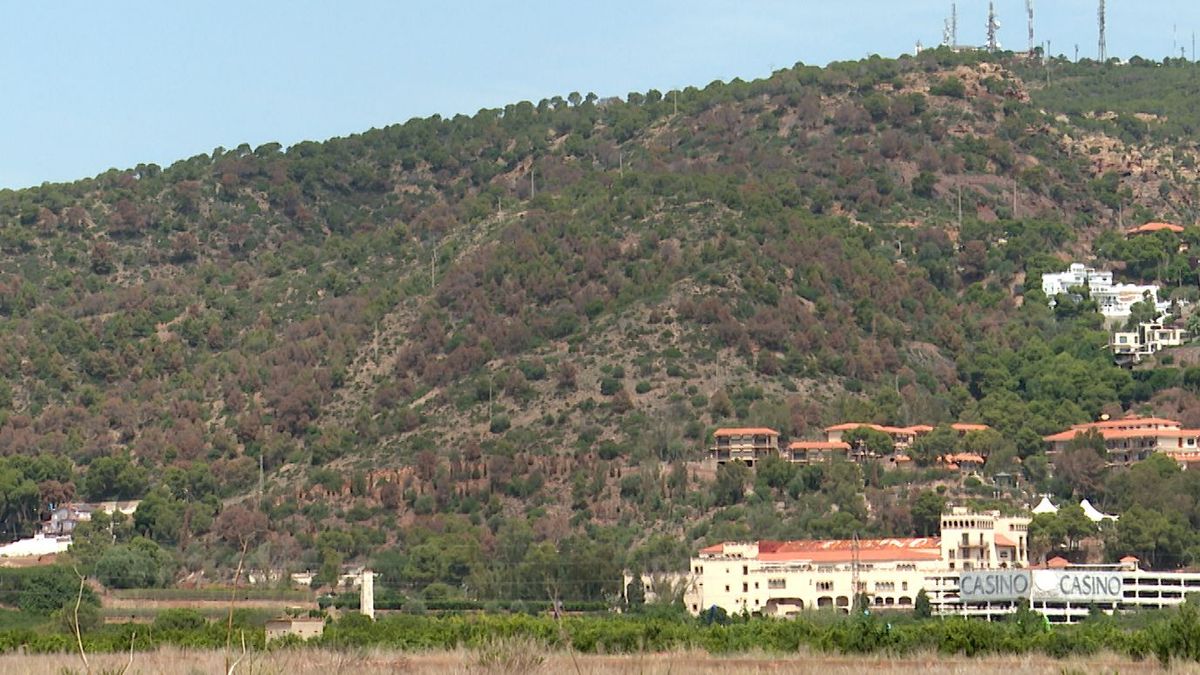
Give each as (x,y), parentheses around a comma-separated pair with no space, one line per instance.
(1029,13)
(947,40)
(993,25)
(953,24)
(1102,45)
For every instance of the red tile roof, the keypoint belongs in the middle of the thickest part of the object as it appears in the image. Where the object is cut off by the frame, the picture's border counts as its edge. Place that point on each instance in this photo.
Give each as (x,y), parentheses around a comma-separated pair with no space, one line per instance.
(1002,540)
(869,550)
(911,430)
(965,457)
(746,431)
(1117,434)
(1155,227)
(818,445)
(840,550)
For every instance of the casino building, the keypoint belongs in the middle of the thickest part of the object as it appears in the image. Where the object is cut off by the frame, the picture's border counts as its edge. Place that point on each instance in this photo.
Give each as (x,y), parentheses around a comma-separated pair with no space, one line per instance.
(979,566)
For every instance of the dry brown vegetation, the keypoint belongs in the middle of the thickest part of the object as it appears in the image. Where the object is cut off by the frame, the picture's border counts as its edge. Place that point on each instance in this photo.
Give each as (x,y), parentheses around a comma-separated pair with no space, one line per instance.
(367,662)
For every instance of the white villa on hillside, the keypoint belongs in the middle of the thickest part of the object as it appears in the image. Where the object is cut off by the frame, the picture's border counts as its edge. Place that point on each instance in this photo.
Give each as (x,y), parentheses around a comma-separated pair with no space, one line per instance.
(1115,300)
(1146,340)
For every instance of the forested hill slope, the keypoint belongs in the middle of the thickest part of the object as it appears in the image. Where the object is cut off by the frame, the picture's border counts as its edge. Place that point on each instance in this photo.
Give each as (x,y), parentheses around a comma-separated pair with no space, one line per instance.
(544,310)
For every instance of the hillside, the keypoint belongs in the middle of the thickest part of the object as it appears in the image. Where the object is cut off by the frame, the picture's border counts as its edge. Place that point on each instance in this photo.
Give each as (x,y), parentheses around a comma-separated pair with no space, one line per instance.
(486,351)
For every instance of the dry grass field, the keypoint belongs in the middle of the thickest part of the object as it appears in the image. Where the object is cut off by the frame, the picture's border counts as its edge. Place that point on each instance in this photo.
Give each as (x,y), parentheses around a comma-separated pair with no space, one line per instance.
(510,661)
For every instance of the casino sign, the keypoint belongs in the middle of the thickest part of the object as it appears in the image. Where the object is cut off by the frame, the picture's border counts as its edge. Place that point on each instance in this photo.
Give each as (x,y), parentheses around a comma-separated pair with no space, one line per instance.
(1081,586)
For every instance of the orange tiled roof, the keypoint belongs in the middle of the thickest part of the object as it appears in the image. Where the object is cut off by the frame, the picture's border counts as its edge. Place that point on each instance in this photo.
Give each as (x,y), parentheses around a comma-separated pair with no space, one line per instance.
(1057,563)
(746,431)
(910,430)
(818,445)
(847,426)
(1117,434)
(1002,540)
(964,457)
(1155,227)
(1129,422)
(841,550)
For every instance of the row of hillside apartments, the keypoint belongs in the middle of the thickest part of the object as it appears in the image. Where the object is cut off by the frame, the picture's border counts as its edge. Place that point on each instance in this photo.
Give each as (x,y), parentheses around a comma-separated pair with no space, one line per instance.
(1128,439)
(751,445)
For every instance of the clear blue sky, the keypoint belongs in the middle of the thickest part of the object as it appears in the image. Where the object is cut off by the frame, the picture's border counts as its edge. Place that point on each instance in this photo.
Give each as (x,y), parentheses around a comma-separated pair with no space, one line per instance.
(86,86)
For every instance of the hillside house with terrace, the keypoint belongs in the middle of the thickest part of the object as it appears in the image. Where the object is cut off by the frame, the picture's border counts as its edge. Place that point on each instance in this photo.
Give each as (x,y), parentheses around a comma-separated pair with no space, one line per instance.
(749,444)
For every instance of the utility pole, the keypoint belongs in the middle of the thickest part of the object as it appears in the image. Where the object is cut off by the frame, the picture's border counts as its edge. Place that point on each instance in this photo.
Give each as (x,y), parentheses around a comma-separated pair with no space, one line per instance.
(1103,47)
(433,267)
(854,582)
(960,207)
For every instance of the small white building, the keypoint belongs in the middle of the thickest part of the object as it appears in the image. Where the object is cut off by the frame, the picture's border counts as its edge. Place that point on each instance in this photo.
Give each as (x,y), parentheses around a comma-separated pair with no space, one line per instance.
(303,627)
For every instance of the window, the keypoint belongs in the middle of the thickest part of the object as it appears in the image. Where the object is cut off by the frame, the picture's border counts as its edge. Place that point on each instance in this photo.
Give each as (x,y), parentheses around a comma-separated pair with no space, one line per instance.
(776,583)
(745,588)
(904,585)
(824,585)
(727,585)
(745,570)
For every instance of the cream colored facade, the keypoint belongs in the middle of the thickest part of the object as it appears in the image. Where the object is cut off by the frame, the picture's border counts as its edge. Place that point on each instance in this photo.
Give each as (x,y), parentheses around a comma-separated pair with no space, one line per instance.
(973,541)
(747,444)
(784,578)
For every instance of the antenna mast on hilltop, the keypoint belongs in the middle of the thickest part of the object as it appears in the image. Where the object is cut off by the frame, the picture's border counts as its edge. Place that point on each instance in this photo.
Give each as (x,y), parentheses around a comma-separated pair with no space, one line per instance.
(1103,46)
(993,25)
(1029,13)
(953,24)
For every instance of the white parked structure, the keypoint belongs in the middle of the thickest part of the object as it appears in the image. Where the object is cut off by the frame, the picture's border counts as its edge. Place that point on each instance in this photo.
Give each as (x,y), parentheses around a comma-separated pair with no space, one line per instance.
(1115,300)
